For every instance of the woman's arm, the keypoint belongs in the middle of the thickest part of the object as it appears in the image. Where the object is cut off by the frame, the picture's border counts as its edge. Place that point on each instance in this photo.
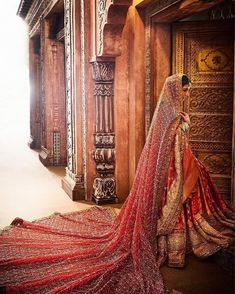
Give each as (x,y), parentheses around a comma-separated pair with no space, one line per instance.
(186,121)
(185,117)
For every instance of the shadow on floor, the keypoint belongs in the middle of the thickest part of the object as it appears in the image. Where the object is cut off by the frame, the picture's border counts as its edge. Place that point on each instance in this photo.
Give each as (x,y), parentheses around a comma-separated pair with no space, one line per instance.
(199,276)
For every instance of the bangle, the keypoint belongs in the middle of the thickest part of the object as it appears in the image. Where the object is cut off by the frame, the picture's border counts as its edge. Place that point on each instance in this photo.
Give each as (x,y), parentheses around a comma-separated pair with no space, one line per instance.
(185,126)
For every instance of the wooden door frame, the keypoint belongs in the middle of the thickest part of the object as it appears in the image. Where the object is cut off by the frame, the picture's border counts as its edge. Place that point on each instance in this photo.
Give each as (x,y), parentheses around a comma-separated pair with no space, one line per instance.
(181,63)
(157,14)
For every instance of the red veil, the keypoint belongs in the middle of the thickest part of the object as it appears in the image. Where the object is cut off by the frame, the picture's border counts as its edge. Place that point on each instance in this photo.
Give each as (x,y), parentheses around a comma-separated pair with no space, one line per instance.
(92,251)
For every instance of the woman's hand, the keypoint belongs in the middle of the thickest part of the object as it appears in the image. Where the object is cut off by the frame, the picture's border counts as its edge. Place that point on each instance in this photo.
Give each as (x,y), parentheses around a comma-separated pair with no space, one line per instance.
(185,117)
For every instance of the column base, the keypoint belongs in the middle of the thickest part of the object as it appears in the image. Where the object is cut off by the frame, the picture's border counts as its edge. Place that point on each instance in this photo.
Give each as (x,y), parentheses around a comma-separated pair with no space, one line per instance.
(104,190)
(100,201)
(74,187)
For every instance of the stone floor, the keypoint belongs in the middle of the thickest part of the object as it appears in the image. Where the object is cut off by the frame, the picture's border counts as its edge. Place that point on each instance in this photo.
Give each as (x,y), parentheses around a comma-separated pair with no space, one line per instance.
(199,277)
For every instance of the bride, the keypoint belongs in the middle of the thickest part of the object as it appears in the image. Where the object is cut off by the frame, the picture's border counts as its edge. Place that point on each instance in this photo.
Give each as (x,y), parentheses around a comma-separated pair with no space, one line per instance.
(173,205)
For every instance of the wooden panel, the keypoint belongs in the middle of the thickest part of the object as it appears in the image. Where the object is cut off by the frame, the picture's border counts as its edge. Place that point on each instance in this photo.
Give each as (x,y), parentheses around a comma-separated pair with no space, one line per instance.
(54,94)
(211,127)
(162,58)
(204,51)
(211,100)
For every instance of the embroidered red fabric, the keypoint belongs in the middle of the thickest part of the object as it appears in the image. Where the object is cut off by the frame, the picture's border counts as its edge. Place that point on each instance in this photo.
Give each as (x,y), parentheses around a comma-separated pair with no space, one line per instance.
(92,251)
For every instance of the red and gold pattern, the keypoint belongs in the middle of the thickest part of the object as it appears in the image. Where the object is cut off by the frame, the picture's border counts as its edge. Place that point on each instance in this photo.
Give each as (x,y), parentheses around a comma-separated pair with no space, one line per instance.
(95,252)
(201,214)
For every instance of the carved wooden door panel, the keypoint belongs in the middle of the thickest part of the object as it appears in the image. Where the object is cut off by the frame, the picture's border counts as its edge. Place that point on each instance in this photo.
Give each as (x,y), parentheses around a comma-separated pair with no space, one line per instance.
(204,51)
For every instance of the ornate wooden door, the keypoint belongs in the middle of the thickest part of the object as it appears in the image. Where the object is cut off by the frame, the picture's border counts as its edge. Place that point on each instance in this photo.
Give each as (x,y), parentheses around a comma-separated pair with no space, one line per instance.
(204,51)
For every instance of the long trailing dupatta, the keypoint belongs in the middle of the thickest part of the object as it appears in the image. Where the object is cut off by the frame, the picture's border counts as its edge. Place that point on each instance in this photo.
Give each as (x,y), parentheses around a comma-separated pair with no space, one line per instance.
(92,251)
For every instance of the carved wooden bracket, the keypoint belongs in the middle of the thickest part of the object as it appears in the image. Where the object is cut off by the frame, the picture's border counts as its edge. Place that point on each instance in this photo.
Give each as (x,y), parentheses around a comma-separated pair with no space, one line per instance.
(110,20)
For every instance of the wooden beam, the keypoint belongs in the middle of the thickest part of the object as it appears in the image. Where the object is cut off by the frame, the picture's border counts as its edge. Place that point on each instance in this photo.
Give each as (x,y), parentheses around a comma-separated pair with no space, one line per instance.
(183,9)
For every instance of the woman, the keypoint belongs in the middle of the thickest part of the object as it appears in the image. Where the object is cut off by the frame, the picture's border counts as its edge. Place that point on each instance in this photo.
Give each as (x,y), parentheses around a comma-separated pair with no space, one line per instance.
(193,216)
(94,252)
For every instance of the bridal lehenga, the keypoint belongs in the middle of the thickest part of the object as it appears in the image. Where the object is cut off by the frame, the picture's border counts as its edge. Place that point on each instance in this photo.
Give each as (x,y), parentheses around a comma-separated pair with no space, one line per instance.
(173,205)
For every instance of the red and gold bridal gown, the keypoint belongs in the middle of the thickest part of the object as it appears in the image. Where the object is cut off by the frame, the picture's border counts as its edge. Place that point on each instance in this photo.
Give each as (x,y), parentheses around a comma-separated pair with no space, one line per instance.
(94,251)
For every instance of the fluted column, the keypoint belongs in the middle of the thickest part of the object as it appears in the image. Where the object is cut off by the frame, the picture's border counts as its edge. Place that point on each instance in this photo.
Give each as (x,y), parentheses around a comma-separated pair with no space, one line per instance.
(104,186)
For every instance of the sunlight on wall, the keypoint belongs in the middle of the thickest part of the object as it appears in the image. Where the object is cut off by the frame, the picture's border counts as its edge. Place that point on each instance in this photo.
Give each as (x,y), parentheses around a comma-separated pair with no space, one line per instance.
(14,80)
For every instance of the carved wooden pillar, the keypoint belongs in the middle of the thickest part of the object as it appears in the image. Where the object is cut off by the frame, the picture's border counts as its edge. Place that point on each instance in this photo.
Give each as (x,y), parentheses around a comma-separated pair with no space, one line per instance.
(108,20)
(104,187)
(53,150)
(73,182)
(80,115)
(35,93)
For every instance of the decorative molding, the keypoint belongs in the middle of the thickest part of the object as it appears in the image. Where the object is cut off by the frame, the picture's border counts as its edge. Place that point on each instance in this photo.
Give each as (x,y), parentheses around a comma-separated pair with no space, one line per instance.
(218,163)
(83,91)
(105,160)
(24,7)
(225,10)
(110,20)
(159,6)
(68,75)
(104,190)
(104,187)
(148,73)
(214,60)
(104,140)
(103,71)
(199,146)
(35,10)
(56,148)
(103,90)
(42,42)
(60,35)
(102,16)
(73,183)
(218,57)
(34,14)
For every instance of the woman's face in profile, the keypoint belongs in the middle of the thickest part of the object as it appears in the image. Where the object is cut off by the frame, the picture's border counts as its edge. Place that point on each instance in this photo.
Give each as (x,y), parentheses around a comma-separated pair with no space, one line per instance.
(186,91)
